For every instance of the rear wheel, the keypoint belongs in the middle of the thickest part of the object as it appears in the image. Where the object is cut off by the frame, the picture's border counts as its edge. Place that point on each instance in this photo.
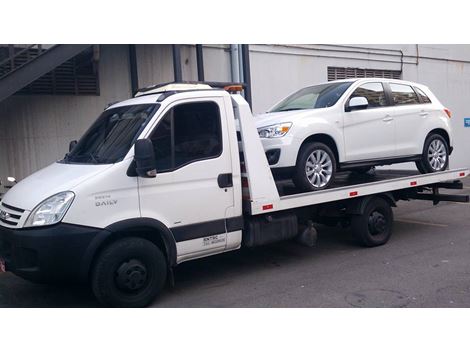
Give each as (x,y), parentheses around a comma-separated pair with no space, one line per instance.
(373,227)
(315,168)
(435,156)
(129,273)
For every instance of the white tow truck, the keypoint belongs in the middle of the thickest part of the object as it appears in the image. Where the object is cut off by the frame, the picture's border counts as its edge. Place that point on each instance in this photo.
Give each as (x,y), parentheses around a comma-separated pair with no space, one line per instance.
(174,174)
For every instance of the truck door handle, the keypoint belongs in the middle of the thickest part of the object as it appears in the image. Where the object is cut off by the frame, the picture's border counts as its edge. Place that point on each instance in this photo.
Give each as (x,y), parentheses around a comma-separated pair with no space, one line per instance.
(387,118)
(225,180)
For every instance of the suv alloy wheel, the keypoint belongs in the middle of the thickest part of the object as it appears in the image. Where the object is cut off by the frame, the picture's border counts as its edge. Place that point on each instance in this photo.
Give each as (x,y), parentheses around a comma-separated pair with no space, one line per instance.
(435,156)
(315,168)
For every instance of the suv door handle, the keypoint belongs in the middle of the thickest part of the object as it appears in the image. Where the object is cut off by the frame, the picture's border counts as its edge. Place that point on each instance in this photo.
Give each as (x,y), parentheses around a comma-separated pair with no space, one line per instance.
(387,118)
(423,114)
(225,180)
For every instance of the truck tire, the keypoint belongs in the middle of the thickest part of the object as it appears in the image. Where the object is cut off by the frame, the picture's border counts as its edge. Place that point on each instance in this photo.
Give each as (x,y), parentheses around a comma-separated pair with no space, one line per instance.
(373,227)
(315,168)
(129,273)
(435,155)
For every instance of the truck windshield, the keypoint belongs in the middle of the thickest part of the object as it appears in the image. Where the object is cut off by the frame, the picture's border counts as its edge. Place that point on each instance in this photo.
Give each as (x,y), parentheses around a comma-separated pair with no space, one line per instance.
(315,97)
(112,135)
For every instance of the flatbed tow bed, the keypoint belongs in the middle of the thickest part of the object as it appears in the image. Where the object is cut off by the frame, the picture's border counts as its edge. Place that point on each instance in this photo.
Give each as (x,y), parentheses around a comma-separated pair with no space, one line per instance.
(362,201)
(353,185)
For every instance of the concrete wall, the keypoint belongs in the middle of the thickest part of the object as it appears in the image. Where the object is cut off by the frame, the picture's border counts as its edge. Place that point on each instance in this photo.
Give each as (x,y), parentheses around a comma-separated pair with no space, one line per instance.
(36,130)
(279,70)
(155,63)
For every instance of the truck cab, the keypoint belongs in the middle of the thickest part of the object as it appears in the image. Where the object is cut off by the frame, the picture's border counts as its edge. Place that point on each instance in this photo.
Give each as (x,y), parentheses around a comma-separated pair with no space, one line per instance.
(189,204)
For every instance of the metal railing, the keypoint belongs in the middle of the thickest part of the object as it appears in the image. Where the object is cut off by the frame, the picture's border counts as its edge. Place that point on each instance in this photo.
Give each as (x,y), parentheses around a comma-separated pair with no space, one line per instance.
(15,56)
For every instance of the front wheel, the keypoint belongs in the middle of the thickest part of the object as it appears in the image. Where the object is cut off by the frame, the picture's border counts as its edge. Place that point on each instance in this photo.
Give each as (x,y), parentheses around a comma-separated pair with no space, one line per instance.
(435,156)
(129,273)
(315,168)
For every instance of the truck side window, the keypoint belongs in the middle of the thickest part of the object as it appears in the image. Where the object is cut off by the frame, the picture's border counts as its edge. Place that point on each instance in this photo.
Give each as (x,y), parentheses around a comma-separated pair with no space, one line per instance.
(187,133)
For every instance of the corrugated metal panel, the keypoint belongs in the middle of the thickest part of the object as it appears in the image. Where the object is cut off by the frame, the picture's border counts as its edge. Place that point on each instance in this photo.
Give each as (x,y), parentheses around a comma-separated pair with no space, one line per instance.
(335,73)
(78,76)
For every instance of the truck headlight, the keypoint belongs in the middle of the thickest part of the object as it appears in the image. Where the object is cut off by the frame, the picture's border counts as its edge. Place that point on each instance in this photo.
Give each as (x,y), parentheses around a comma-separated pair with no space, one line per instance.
(274,131)
(51,211)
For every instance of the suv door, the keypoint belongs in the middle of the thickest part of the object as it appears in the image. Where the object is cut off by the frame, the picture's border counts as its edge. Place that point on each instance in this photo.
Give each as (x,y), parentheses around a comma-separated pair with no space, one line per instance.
(189,195)
(369,133)
(410,117)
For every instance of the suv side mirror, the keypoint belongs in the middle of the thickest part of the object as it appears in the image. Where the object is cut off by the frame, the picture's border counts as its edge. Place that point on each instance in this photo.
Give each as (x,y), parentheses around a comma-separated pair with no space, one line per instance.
(357,103)
(72,145)
(144,157)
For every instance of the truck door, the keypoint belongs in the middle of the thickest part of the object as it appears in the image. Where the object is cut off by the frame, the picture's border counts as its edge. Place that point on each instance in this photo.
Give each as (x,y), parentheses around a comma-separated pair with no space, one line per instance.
(193,191)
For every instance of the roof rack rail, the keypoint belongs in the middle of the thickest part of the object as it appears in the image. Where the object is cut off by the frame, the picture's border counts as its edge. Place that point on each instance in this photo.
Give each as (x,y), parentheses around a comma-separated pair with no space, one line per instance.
(220,85)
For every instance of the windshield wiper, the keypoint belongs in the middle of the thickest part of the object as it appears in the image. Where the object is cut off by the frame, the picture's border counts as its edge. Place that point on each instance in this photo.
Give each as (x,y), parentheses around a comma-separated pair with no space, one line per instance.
(94,158)
(290,109)
(76,158)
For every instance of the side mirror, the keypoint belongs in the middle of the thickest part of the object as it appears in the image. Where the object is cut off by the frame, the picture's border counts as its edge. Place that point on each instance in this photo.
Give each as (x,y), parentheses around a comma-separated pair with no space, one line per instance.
(72,145)
(144,157)
(357,103)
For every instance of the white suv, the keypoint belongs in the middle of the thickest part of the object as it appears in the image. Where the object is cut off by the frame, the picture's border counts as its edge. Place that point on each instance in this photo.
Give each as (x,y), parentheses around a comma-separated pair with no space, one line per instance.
(355,125)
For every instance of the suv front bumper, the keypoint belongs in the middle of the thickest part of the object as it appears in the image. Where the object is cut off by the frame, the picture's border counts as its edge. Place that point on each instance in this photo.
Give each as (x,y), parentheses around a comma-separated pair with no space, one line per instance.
(286,149)
(46,254)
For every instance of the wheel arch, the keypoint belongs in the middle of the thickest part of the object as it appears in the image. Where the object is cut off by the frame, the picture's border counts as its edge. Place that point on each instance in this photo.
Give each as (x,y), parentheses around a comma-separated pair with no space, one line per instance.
(150,229)
(440,131)
(326,139)
(358,205)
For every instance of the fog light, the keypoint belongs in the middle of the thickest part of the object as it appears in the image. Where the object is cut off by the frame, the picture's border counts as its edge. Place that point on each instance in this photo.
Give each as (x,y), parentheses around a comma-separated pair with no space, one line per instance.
(273,156)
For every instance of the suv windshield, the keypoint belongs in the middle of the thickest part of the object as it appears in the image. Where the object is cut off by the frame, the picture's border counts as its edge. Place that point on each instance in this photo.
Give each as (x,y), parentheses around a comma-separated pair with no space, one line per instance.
(315,97)
(109,139)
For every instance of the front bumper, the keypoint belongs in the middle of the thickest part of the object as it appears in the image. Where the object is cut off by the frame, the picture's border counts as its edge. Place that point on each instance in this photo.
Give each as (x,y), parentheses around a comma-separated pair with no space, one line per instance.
(46,254)
(286,148)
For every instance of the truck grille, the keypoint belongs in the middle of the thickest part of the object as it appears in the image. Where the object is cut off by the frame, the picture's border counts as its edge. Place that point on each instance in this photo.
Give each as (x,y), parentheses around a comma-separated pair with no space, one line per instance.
(9,215)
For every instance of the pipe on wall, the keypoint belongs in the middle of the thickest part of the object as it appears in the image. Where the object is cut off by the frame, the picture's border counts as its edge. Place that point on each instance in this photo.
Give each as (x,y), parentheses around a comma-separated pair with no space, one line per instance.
(178,71)
(234,62)
(247,72)
(133,69)
(200,62)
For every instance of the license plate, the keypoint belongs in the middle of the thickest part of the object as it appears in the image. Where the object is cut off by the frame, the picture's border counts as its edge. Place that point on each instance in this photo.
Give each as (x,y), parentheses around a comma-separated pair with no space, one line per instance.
(2,266)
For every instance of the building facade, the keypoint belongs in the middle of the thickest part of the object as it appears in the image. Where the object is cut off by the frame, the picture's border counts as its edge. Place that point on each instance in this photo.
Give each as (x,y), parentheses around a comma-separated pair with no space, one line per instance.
(38,122)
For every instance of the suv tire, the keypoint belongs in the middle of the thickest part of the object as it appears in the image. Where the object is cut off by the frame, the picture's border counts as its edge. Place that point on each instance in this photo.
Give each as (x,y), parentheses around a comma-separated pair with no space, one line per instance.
(315,168)
(435,155)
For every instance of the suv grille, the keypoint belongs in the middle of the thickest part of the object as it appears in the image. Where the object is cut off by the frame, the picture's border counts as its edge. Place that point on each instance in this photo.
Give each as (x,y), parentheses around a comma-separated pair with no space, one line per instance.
(10,215)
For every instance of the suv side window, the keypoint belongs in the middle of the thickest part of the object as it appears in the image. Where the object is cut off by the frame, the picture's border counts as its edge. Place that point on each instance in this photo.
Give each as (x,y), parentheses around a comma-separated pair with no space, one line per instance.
(422,96)
(374,92)
(187,133)
(403,94)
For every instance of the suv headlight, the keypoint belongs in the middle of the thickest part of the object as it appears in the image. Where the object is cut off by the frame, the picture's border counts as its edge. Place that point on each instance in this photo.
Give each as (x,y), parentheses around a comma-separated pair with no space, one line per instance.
(51,211)
(274,131)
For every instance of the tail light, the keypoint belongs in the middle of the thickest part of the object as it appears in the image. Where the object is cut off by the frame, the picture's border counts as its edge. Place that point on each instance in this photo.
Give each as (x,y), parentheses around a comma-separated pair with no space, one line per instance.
(448,112)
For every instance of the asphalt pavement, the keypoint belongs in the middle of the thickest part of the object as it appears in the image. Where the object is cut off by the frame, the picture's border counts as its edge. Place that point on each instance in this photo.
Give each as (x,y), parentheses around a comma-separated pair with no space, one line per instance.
(425,264)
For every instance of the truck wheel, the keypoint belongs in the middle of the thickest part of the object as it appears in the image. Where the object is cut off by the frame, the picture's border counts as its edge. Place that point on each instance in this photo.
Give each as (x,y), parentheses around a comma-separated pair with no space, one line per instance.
(129,273)
(435,155)
(374,227)
(315,168)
